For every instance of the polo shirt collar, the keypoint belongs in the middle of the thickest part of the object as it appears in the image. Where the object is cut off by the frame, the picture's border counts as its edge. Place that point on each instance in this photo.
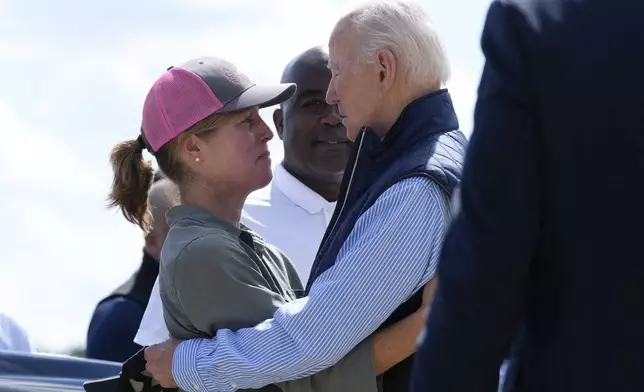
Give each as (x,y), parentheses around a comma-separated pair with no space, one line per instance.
(207,218)
(296,191)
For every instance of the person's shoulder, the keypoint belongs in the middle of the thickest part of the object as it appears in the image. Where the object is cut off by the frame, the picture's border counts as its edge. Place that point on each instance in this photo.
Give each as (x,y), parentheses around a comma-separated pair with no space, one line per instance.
(531,13)
(413,196)
(118,302)
(188,236)
(210,243)
(415,187)
(8,323)
(216,250)
(215,258)
(117,309)
(16,336)
(524,7)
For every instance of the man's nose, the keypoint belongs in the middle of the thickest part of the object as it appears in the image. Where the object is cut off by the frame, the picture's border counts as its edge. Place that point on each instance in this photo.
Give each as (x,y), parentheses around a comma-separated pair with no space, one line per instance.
(331,94)
(332,117)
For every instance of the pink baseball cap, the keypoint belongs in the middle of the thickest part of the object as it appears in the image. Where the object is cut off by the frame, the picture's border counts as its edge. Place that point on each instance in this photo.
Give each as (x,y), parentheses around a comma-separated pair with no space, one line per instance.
(186,94)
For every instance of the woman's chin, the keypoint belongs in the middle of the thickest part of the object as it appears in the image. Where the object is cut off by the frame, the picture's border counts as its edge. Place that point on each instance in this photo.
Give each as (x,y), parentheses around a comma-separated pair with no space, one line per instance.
(266,180)
(262,179)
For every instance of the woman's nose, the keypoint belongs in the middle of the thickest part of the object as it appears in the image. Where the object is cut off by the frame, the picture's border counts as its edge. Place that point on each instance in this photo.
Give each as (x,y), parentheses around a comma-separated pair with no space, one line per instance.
(266,133)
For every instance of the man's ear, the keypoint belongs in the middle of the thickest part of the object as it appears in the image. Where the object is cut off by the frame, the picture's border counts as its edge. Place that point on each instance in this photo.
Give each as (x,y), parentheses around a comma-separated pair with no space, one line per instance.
(278,120)
(388,67)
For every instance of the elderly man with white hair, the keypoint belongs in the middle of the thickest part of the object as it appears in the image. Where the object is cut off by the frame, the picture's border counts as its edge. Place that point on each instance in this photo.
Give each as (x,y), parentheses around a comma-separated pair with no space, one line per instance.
(382,245)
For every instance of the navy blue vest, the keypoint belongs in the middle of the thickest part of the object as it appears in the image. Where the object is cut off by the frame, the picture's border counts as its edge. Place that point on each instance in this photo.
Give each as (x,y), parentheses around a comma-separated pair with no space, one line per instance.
(424,141)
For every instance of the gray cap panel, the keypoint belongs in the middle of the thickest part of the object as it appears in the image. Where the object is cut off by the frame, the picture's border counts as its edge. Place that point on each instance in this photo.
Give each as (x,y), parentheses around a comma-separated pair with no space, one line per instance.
(221,76)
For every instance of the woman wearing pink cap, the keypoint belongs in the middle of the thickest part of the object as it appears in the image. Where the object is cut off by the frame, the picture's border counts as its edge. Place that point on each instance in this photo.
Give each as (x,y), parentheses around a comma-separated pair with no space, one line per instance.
(201,123)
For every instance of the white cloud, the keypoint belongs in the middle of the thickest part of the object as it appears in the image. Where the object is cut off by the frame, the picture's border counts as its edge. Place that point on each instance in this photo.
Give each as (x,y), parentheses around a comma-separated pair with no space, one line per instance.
(67,98)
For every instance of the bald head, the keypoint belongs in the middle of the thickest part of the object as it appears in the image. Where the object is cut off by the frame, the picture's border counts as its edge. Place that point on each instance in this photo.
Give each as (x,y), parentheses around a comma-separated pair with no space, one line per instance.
(315,58)
(316,149)
(163,195)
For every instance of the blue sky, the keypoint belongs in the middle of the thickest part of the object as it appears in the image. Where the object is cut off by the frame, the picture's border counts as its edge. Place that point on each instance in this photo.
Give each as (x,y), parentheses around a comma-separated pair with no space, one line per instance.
(73,76)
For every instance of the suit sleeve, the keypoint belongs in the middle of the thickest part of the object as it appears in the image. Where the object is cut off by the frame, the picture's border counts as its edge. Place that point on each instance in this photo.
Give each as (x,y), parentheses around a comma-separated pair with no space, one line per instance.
(489,247)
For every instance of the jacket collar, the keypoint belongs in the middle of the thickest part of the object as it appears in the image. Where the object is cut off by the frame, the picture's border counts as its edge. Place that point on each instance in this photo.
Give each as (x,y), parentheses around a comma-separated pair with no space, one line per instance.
(427,115)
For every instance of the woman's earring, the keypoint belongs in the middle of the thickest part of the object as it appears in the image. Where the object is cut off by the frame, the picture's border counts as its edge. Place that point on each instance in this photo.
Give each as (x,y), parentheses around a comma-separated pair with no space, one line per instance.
(197,159)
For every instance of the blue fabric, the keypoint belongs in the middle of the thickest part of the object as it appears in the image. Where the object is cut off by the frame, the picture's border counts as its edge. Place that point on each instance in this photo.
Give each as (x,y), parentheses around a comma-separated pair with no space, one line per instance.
(546,250)
(112,329)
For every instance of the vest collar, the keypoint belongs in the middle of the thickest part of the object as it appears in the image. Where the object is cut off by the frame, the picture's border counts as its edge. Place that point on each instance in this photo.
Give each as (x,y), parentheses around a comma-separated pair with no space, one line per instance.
(429,114)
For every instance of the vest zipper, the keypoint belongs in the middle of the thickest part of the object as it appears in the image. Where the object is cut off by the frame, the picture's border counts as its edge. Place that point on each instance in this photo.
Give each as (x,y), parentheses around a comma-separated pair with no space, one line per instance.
(346,194)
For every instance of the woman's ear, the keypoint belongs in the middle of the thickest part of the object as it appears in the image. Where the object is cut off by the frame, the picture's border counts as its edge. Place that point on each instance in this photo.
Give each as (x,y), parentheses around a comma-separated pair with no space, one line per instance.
(191,145)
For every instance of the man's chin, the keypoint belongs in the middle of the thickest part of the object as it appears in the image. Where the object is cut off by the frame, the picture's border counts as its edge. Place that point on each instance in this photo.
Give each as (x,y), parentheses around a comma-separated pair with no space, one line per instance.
(332,173)
(352,131)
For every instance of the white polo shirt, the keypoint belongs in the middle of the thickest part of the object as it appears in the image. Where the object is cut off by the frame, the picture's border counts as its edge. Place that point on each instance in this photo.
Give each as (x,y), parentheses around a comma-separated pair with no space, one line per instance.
(292,217)
(286,214)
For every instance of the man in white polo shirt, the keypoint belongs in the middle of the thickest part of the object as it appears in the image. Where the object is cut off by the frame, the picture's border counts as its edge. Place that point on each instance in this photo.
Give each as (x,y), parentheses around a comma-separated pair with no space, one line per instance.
(306,184)
(299,204)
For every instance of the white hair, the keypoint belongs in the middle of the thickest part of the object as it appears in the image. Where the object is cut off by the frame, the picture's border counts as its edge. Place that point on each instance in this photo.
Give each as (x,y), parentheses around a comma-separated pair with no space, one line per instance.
(405,29)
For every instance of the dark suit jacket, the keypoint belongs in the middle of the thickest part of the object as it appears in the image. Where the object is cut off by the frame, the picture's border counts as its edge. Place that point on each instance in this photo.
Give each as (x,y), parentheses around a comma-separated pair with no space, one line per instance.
(551,224)
(111,332)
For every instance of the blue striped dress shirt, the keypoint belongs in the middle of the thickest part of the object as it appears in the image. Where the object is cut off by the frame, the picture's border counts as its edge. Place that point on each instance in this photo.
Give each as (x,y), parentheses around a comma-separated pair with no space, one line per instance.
(390,254)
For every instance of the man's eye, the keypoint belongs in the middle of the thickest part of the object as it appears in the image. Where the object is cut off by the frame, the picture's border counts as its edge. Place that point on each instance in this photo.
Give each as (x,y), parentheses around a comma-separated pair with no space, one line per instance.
(312,102)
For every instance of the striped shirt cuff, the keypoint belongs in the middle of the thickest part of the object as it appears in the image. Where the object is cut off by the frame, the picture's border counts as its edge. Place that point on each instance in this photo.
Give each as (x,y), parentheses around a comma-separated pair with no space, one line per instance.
(184,366)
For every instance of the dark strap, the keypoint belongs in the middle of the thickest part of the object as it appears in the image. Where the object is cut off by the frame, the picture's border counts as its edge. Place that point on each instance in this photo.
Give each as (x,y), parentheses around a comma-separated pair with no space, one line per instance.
(133,378)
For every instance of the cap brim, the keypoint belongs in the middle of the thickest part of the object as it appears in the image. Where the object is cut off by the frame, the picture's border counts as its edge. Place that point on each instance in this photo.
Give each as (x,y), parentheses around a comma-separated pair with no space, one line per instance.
(261,96)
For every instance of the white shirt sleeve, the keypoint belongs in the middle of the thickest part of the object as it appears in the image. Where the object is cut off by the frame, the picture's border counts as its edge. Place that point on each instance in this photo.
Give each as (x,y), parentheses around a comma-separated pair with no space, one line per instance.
(152,329)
